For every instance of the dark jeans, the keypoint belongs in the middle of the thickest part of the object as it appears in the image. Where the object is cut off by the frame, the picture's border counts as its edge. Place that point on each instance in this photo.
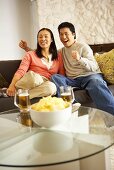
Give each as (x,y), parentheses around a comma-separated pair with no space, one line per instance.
(94,84)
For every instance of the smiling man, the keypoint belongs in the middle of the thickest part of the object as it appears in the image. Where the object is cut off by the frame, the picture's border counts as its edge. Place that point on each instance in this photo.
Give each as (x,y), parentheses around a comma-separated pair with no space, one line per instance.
(82,70)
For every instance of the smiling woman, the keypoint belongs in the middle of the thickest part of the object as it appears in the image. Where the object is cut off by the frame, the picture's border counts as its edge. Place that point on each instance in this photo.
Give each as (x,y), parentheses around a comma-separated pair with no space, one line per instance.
(36,69)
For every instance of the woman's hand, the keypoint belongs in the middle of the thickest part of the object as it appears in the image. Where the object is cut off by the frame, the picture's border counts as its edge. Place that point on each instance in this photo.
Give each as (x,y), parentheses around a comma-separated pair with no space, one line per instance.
(11,90)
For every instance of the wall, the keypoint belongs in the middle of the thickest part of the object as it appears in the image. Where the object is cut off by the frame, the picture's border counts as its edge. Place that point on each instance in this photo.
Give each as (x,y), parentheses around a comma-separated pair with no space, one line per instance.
(15,24)
(21,19)
(94,20)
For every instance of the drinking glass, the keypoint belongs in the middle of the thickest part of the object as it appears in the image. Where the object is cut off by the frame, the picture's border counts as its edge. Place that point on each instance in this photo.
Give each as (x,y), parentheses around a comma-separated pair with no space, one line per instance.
(67,94)
(22,100)
(24,118)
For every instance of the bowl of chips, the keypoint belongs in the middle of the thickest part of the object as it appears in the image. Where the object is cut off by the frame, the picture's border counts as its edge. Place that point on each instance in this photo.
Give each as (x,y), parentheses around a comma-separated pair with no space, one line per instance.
(50,112)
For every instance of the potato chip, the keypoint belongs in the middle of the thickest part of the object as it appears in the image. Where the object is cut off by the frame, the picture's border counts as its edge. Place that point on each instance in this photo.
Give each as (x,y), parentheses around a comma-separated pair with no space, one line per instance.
(50,104)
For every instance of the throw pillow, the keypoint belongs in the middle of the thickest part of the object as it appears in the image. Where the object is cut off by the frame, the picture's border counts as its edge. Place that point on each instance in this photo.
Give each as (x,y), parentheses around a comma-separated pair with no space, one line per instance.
(106,64)
(3,82)
(29,80)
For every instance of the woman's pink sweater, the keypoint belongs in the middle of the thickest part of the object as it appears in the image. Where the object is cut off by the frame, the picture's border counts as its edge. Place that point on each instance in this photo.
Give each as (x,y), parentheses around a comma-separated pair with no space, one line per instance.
(34,63)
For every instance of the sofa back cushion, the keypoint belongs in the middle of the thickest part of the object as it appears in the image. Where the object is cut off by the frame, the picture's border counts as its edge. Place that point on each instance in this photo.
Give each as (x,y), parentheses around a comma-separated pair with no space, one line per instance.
(3,82)
(106,64)
(8,68)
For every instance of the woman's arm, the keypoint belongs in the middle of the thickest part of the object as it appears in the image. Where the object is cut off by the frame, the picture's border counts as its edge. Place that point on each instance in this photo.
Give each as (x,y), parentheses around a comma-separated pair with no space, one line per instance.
(11,89)
(23,68)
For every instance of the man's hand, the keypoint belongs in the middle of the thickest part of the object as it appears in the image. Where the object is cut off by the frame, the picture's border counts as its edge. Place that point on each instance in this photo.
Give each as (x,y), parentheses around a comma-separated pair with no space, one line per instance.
(23,44)
(75,55)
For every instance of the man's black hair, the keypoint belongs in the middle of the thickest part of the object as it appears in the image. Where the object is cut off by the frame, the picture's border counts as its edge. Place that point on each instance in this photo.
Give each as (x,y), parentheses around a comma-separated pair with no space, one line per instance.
(67,25)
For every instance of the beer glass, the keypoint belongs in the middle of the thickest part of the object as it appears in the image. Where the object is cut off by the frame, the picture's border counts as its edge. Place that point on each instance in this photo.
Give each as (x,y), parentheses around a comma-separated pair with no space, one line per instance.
(22,100)
(24,118)
(67,94)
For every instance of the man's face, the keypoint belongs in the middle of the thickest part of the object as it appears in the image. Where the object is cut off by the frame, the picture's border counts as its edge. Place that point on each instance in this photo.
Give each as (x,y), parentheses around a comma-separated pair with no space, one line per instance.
(66,37)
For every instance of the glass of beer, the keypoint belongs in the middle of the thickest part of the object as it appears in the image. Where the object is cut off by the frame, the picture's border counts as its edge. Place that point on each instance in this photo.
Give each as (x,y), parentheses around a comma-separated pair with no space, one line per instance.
(22,100)
(24,118)
(67,94)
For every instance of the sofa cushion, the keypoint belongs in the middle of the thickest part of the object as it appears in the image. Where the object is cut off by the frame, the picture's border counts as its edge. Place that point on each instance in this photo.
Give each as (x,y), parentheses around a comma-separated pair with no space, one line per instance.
(7,103)
(106,64)
(83,97)
(3,82)
(8,68)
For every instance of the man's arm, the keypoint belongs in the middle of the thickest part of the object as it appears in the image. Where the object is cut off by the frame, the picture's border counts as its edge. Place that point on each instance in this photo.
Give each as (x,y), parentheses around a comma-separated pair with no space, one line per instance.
(23,45)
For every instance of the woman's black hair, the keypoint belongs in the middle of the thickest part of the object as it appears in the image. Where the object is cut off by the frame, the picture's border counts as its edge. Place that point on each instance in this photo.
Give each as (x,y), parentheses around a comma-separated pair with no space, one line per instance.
(52,48)
(67,25)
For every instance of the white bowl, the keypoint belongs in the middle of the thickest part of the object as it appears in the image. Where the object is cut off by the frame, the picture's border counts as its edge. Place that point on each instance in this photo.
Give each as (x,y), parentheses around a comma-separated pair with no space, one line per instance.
(52,118)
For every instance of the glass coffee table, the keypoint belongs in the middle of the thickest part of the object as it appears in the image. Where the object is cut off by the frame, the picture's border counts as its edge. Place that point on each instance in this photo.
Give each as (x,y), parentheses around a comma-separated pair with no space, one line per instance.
(82,143)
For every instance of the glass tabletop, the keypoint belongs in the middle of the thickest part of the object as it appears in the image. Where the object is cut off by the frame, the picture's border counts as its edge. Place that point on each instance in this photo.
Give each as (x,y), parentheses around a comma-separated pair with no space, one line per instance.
(88,132)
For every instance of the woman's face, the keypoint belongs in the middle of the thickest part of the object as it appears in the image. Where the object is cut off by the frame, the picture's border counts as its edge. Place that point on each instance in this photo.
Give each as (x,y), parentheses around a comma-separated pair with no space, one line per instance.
(44,39)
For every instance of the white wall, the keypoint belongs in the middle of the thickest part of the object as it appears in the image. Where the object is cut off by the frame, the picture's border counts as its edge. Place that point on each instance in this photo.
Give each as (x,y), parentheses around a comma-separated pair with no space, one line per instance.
(15,24)
(21,19)
(93,19)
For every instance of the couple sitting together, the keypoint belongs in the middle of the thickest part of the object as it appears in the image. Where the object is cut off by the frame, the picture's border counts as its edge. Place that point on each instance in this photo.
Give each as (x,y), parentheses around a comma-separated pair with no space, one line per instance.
(45,69)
